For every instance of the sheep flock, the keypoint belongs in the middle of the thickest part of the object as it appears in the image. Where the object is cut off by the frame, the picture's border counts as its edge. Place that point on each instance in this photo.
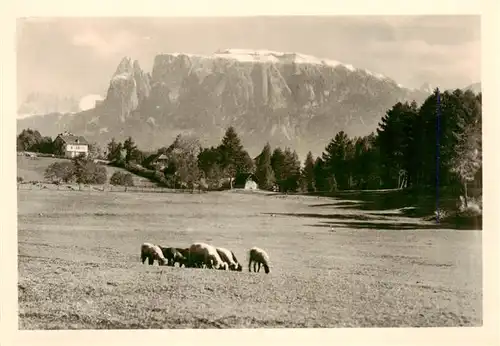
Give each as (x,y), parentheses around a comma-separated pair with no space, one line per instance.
(202,255)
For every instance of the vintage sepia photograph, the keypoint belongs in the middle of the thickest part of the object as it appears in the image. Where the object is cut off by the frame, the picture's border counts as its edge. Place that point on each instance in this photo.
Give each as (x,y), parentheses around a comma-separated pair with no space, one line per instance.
(249,172)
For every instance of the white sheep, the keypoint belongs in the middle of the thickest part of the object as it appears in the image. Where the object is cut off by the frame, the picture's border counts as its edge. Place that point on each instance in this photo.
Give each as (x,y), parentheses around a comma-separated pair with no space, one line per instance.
(229,258)
(152,252)
(258,257)
(205,254)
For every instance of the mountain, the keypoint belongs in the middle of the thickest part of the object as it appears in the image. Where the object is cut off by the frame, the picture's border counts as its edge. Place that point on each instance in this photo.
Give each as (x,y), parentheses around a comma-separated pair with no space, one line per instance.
(286,99)
(476,87)
(43,103)
(427,88)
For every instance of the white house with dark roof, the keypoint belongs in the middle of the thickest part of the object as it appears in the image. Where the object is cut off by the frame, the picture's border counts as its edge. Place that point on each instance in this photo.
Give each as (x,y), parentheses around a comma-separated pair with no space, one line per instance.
(70,145)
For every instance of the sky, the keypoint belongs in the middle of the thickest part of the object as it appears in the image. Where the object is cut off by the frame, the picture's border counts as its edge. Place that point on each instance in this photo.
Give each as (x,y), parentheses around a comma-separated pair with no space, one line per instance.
(77,56)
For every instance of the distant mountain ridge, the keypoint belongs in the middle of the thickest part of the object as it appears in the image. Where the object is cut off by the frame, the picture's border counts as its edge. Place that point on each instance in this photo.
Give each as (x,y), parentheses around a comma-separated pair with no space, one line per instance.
(475,87)
(37,103)
(287,99)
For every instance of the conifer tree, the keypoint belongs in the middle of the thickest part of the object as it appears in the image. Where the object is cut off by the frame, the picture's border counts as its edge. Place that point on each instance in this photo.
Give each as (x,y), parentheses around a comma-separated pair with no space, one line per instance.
(234,159)
(264,171)
(278,166)
(291,171)
(308,173)
(130,148)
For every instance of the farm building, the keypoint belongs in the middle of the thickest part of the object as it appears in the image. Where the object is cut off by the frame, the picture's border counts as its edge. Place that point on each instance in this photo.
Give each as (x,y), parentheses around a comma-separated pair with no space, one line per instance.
(245,181)
(70,145)
(160,162)
(251,185)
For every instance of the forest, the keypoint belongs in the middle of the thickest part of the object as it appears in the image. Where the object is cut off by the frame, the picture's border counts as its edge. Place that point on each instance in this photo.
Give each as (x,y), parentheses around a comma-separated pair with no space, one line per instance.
(436,144)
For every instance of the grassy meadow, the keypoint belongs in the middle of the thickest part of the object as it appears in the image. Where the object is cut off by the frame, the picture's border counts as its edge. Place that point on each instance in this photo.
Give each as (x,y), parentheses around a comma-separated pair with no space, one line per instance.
(333,263)
(34,170)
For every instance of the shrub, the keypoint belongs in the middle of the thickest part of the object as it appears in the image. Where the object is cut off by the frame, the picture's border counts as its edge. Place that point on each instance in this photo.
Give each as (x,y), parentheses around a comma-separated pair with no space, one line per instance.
(81,170)
(443,214)
(120,178)
(473,208)
(86,171)
(147,173)
(463,217)
(60,171)
(20,179)
(94,173)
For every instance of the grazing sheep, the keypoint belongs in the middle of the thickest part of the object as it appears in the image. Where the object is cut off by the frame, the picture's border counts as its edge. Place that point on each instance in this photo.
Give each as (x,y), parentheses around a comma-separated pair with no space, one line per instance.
(196,260)
(229,258)
(185,255)
(174,255)
(240,267)
(258,257)
(204,254)
(152,253)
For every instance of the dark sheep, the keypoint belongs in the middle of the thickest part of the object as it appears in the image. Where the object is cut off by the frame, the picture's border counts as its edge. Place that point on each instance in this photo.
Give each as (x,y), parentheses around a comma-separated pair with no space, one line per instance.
(185,255)
(175,255)
(196,260)
(258,257)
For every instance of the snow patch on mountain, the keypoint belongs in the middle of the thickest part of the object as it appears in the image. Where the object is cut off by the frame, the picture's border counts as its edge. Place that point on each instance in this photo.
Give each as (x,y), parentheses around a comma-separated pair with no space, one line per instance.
(269,56)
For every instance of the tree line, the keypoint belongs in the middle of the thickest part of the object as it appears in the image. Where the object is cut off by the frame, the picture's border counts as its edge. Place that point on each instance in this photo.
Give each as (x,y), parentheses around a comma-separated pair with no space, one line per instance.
(32,141)
(414,146)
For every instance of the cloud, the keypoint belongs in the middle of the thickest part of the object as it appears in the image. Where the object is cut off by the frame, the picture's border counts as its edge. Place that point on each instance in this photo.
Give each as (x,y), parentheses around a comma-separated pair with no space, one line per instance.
(89,101)
(441,50)
(440,30)
(104,45)
(418,61)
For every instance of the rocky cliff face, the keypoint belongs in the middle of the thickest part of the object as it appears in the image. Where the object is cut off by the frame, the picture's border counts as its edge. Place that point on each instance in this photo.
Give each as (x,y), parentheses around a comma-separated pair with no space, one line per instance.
(128,87)
(288,99)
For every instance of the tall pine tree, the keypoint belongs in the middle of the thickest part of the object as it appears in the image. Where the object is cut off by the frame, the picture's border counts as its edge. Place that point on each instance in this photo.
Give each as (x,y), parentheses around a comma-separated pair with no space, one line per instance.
(395,140)
(115,152)
(308,174)
(338,159)
(234,159)
(264,171)
(291,171)
(323,180)
(130,148)
(278,165)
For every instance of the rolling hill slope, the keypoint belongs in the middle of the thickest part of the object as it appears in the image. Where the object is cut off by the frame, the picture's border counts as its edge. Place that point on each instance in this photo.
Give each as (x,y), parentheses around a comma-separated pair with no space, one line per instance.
(34,169)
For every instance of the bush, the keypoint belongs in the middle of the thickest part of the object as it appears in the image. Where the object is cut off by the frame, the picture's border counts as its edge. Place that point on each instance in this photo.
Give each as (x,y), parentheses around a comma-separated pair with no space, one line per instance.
(152,175)
(81,170)
(463,217)
(120,178)
(60,171)
(20,179)
(92,174)
(474,207)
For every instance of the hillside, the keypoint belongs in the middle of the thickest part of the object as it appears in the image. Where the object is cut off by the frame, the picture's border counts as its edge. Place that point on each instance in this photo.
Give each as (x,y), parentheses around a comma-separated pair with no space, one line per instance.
(34,169)
(288,99)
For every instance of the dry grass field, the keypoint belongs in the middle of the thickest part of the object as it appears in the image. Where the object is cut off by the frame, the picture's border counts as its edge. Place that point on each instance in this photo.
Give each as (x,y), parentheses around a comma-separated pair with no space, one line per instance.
(331,265)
